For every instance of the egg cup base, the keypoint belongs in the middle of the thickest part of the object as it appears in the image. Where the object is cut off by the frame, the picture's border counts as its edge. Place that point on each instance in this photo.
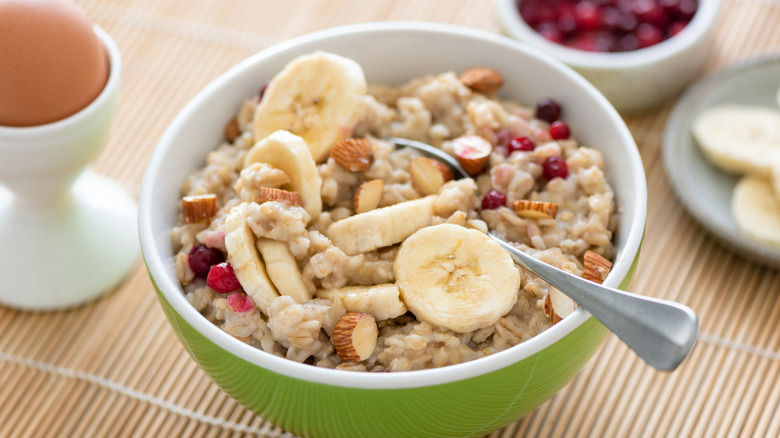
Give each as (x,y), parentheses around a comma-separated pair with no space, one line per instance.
(69,252)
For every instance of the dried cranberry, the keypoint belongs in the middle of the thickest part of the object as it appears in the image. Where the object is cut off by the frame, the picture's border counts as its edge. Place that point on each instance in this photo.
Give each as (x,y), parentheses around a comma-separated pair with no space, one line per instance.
(555,167)
(588,15)
(650,11)
(551,32)
(559,130)
(520,144)
(201,258)
(548,110)
(676,27)
(222,279)
(262,91)
(493,199)
(648,35)
(240,302)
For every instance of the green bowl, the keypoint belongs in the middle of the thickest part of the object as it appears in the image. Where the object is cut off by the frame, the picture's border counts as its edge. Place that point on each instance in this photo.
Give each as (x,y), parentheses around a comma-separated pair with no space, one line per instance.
(473,398)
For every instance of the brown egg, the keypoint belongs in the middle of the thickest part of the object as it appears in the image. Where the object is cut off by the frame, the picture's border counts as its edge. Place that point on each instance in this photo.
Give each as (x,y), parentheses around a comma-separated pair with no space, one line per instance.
(51,62)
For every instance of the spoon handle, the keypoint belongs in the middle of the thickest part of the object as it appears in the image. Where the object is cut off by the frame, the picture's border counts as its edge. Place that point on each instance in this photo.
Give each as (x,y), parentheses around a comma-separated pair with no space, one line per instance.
(661,332)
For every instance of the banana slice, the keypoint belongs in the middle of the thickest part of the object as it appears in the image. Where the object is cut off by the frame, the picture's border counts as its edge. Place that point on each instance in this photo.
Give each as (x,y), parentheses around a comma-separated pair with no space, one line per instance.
(316,96)
(288,153)
(739,139)
(283,270)
(381,300)
(756,209)
(381,227)
(243,256)
(455,277)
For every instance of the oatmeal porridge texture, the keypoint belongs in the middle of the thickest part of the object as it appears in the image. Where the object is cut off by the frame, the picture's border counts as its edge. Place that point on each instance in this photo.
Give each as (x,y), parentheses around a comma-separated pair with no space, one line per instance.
(283,261)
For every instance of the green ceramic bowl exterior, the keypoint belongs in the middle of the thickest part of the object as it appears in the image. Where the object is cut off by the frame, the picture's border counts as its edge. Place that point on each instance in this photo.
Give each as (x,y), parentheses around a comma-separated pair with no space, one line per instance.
(473,398)
(317,410)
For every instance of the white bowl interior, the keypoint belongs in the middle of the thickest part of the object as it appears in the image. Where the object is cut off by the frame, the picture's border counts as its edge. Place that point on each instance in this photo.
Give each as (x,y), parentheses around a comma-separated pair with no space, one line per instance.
(390,53)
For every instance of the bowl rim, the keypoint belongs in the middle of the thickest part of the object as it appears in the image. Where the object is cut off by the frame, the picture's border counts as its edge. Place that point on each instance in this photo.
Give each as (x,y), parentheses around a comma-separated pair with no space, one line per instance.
(171,291)
(698,28)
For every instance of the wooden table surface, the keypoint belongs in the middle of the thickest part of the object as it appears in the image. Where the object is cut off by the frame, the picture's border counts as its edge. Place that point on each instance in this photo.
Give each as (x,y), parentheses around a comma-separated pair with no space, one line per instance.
(115,368)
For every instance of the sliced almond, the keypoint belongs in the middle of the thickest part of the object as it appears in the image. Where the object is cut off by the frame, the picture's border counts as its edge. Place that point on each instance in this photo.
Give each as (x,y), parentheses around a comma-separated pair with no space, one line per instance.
(355,336)
(266,194)
(231,130)
(596,267)
(199,208)
(472,152)
(368,195)
(353,154)
(428,175)
(558,305)
(482,79)
(535,209)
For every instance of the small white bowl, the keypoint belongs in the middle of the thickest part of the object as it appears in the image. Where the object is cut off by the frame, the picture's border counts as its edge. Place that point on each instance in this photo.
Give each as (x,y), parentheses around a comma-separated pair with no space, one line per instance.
(632,81)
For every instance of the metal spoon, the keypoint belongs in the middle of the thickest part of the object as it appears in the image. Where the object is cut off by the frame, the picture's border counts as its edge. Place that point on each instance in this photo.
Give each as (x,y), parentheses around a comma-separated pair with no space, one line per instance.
(661,332)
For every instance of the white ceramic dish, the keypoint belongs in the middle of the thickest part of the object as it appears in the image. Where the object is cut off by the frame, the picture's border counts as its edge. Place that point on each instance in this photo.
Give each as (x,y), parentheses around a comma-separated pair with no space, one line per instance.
(705,190)
(631,81)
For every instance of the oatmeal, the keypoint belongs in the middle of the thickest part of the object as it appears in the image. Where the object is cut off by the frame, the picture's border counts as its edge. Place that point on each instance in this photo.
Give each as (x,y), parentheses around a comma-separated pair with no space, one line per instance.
(332,247)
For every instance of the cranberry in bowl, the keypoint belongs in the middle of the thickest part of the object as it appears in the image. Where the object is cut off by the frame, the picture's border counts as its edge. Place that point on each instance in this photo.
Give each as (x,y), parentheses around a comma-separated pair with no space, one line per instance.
(638,53)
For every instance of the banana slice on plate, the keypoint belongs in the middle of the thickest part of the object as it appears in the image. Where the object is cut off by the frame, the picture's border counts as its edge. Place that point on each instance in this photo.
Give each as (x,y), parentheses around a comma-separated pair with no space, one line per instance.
(289,153)
(756,209)
(316,96)
(243,256)
(739,138)
(456,277)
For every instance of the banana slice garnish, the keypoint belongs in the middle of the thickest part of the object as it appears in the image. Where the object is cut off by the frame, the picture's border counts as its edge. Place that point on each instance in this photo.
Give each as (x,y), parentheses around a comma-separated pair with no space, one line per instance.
(243,256)
(289,153)
(456,277)
(316,96)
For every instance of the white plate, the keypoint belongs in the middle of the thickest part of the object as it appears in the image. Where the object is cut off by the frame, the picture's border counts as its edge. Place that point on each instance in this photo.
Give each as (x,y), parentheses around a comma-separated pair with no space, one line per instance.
(705,190)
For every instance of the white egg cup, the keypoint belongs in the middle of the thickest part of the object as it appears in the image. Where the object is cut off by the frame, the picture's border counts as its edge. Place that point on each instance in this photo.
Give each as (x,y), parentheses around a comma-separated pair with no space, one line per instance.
(67,234)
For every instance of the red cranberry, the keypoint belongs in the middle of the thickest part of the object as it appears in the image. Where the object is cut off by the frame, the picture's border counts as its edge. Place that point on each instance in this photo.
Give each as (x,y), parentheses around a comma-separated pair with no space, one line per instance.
(648,35)
(588,15)
(676,27)
(520,144)
(222,279)
(493,199)
(537,11)
(559,130)
(680,9)
(201,258)
(555,167)
(650,11)
(240,302)
(627,43)
(548,110)
(568,24)
(262,92)
(627,23)
(610,18)
(551,32)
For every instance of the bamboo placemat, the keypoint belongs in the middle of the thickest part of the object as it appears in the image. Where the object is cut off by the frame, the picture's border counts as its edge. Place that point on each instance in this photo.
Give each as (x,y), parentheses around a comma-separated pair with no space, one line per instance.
(115,368)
